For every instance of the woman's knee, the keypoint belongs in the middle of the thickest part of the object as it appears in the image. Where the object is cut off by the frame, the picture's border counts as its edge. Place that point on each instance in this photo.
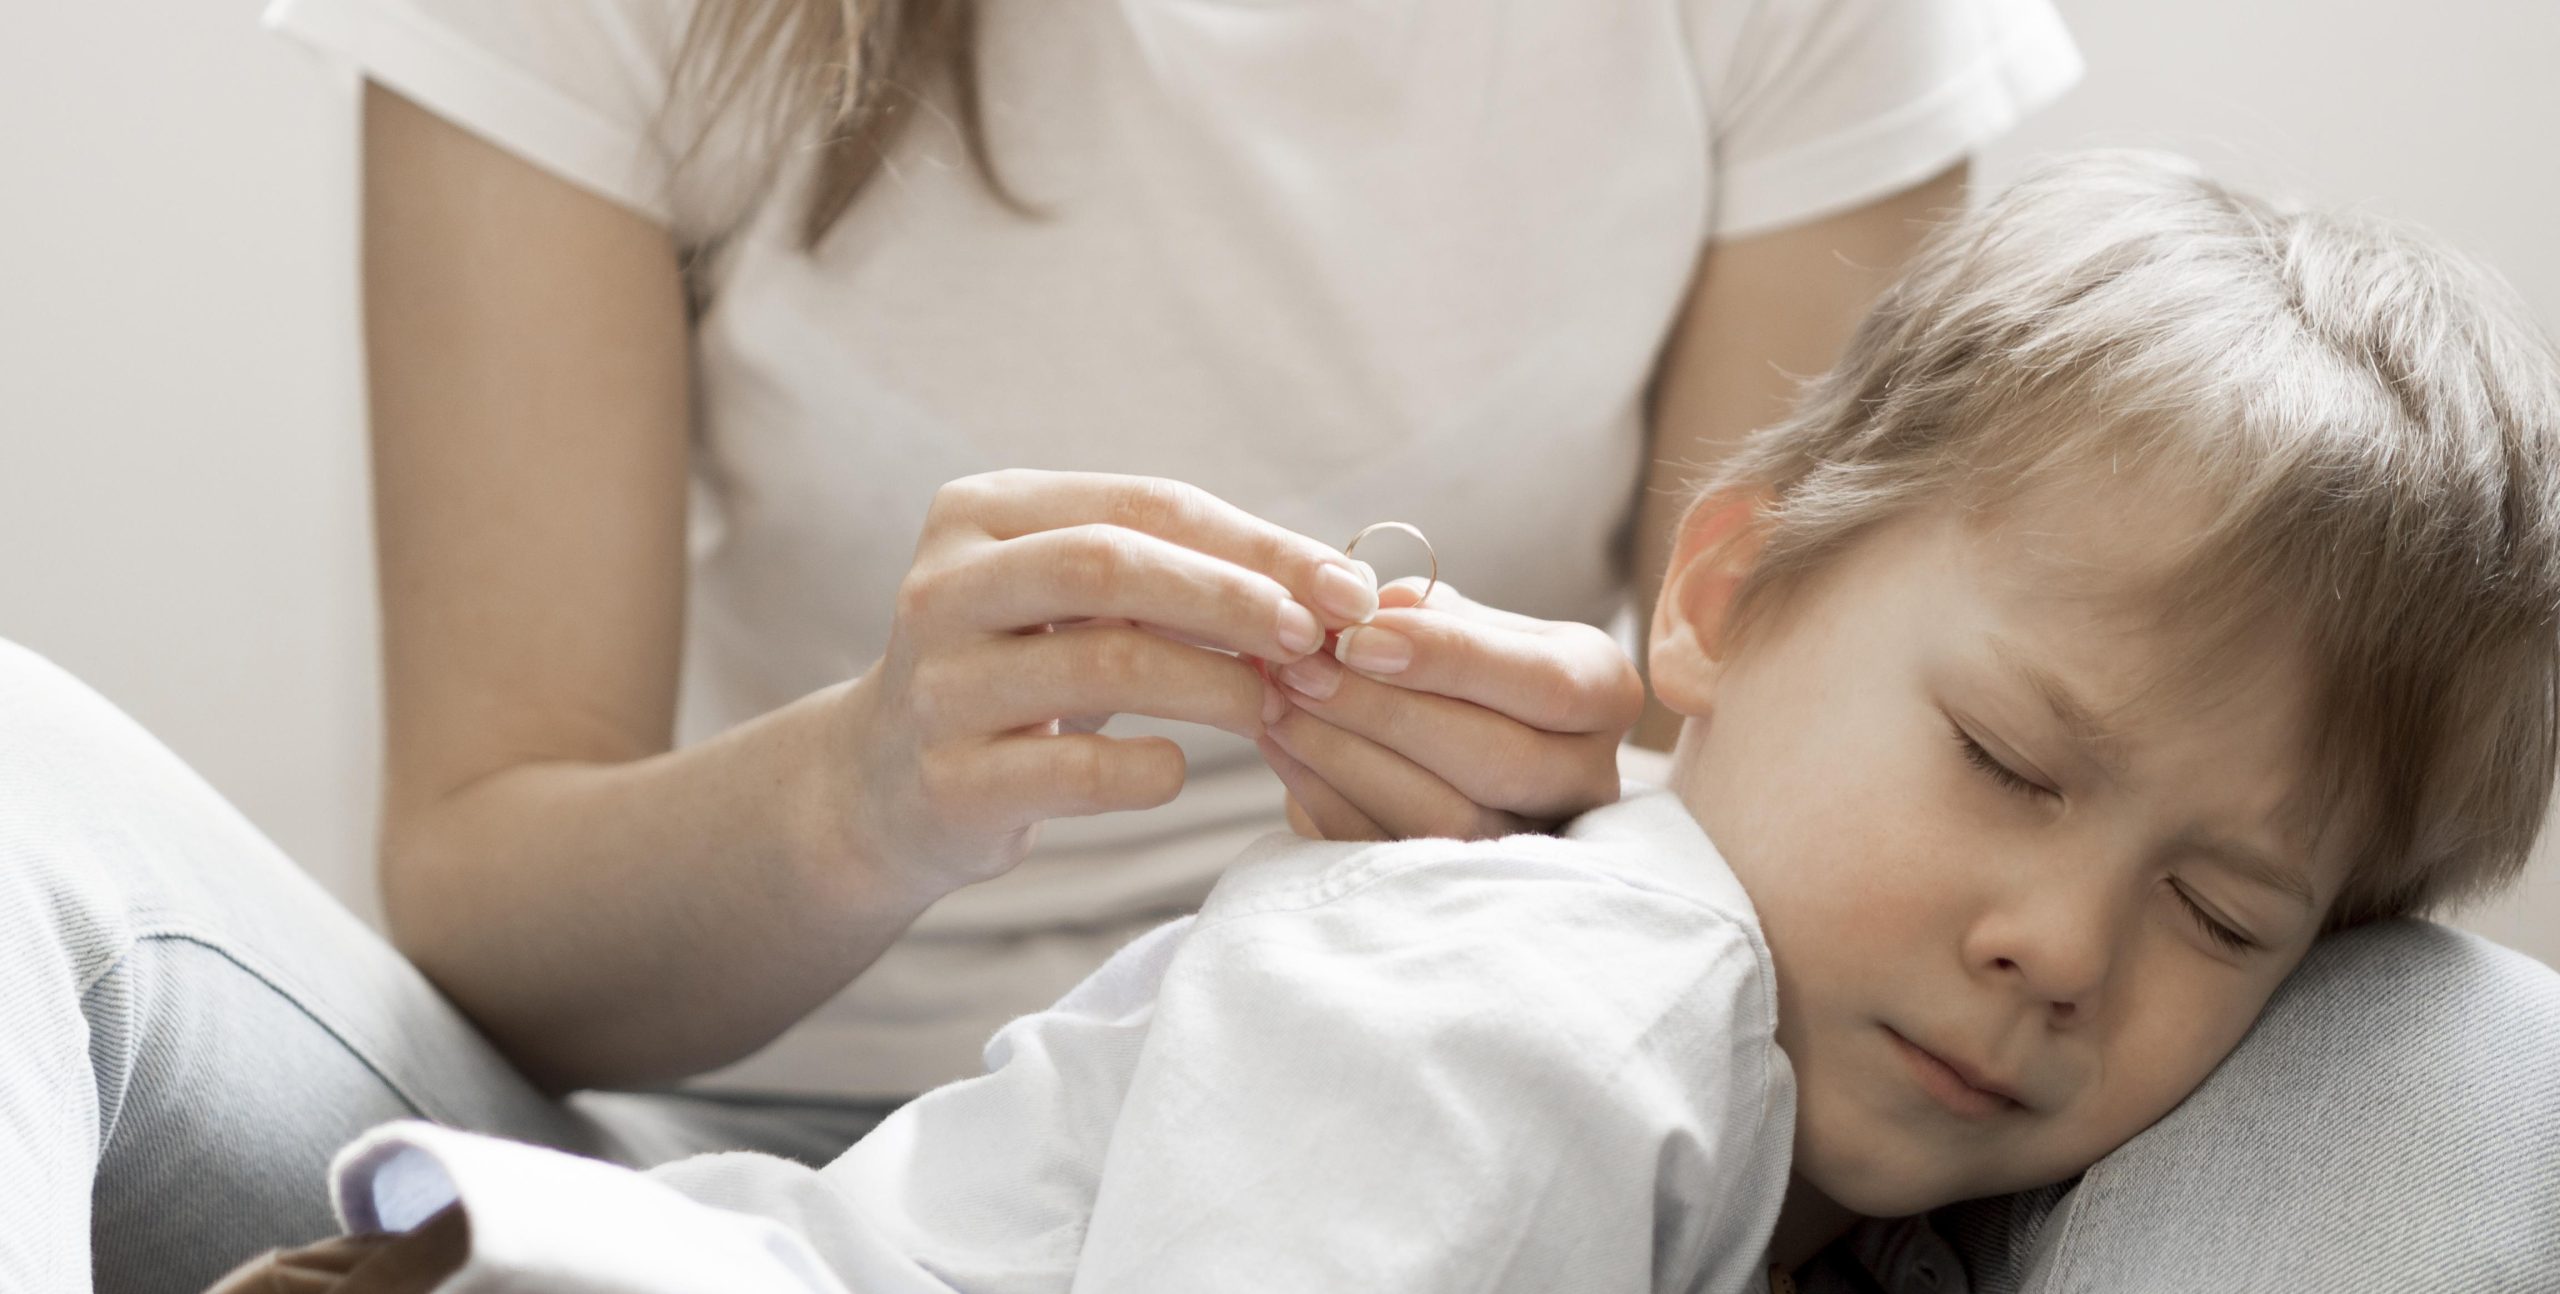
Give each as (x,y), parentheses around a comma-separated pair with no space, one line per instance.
(223,1097)
(207,1017)
(63,792)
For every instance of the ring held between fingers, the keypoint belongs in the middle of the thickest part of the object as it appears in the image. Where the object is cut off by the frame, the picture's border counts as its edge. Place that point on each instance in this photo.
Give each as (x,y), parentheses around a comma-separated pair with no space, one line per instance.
(1019,503)
(1565,678)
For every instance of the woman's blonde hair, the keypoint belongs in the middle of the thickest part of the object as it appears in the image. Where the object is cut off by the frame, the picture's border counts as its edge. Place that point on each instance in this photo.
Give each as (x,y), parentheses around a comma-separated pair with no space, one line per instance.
(2373,421)
(853,72)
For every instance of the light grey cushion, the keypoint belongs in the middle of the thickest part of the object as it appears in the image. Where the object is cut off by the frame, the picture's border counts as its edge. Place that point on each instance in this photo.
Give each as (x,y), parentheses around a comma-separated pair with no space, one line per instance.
(2392,1123)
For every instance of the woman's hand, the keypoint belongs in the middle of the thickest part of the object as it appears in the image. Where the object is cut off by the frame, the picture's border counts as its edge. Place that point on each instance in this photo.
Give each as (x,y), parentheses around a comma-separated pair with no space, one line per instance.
(1038,605)
(1451,718)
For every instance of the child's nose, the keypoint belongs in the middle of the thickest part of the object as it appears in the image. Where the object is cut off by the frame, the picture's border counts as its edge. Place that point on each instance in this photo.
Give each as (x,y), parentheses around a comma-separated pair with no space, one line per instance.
(2060,1009)
(2056,945)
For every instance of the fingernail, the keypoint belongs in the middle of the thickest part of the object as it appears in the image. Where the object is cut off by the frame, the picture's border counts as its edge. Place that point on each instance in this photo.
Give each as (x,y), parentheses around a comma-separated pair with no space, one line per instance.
(1344,595)
(1314,675)
(1274,705)
(1297,630)
(1374,650)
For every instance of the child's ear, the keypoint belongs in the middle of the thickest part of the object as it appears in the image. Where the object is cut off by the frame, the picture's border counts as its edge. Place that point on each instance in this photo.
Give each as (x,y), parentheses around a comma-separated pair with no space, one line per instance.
(1718,541)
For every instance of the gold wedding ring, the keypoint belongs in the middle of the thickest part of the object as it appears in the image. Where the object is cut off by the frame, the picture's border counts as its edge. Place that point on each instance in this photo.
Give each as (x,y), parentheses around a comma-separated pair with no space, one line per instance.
(1418,536)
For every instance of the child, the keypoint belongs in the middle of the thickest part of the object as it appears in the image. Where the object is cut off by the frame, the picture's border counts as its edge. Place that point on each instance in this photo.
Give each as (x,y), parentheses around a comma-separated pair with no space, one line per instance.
(2159,581)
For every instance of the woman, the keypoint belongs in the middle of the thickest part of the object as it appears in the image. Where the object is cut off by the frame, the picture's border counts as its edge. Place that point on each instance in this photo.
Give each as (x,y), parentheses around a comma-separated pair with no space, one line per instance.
(698,336)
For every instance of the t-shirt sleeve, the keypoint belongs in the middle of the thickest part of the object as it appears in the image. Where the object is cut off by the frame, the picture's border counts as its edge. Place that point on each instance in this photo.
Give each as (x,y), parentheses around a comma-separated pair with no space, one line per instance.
(1815,107)
(577,87)
(1473,1076)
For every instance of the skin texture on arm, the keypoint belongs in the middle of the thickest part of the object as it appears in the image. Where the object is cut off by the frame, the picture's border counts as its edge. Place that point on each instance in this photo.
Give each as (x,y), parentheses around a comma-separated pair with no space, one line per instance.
(543,854)
(1763,313)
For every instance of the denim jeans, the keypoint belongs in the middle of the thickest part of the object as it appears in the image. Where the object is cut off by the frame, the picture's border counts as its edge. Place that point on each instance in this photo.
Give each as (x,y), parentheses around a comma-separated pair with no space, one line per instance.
(190,1026)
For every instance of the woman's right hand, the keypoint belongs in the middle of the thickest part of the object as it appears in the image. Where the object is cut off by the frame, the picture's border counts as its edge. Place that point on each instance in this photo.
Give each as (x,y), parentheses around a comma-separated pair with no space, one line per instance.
(1038,605)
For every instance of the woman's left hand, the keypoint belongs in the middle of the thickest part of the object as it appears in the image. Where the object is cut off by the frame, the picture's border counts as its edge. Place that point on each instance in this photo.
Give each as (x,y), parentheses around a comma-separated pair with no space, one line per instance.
(1493,723)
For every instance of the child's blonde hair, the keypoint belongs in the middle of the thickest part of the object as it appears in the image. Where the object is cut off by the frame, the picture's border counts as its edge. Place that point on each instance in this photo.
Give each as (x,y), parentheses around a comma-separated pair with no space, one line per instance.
(2372,418)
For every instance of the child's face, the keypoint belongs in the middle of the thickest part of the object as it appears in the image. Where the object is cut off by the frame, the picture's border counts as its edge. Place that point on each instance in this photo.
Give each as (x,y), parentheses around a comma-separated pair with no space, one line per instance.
(1939,858)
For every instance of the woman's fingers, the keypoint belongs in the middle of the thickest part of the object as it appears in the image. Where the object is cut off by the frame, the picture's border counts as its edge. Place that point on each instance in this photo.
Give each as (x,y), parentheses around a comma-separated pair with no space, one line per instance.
(1518,717)
(1315,808)
(1016,504)
(1040,602)
(1299,821)
(1013,782)
(1554,676)
(1006,683)
(1037,605)
(1401,797)
(1098,571)
(1491,759)
(1408,592)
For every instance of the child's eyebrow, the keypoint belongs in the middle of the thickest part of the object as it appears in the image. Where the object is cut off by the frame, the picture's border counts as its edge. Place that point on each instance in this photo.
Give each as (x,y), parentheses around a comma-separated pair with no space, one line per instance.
(2082,724)
(2069,710)
(2256,866)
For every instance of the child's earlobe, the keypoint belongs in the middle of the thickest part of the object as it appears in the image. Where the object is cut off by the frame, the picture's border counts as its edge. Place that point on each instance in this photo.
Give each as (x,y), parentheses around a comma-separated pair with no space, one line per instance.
(1685,652)
(1718,541)
(1680,671)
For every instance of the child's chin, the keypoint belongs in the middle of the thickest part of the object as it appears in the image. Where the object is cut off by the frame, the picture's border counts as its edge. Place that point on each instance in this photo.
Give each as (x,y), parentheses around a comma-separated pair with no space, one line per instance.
(1870,1186)
(1876,1188)
(1874,1198)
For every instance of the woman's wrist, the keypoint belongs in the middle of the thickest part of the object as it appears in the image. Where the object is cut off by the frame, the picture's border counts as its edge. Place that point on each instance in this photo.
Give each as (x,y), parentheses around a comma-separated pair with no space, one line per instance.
(842,841)
(743,894)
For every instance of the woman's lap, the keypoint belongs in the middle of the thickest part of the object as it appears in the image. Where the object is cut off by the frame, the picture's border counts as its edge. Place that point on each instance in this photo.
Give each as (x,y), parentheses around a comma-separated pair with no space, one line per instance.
(194,1025)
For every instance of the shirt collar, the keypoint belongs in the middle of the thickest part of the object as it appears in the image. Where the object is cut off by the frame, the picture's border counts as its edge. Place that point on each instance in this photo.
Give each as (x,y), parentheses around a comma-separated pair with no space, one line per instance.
(1650,832)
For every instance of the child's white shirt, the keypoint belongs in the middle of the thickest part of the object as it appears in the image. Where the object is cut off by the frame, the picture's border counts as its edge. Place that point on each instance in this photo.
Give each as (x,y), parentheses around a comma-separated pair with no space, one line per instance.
(1528,1064)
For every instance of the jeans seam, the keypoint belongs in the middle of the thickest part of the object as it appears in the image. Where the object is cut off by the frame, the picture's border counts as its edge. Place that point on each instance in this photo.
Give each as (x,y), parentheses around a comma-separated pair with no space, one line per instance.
(108,1121)
(284,986)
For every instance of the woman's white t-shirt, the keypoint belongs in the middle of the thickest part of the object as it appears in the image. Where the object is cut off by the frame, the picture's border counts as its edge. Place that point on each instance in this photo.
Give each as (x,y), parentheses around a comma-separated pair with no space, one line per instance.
(1336,261)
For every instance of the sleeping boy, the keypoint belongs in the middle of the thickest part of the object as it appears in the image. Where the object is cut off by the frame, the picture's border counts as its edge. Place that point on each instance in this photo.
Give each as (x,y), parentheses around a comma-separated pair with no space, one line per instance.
(2159,581)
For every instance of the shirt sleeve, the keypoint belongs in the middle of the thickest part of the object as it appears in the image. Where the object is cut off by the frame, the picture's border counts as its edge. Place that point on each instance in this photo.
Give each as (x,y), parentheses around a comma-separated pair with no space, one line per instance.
(579,88)
(1815,107)
(979,1185)
(1479,1076)
(540,1219)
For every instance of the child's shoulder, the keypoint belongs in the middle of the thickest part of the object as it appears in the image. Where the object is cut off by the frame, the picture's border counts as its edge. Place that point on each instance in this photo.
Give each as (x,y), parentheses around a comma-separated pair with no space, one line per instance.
(1623,874)
(1646,842)
(1589,939)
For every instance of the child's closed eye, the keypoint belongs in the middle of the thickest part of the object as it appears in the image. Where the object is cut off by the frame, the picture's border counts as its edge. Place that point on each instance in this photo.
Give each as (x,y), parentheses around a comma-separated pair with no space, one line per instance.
(2011,780)
(2008,778)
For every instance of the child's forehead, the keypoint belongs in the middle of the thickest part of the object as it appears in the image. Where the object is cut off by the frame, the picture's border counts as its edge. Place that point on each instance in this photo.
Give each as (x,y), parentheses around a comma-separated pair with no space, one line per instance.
(2102,593)
(2102,530)
(2141,562)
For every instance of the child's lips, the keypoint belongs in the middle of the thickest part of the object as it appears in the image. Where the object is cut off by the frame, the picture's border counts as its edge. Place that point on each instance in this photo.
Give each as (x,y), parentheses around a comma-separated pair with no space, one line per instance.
(1962,1088)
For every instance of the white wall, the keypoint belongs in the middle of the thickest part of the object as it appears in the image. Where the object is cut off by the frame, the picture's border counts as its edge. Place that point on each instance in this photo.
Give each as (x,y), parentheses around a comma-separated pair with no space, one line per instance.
(182,494)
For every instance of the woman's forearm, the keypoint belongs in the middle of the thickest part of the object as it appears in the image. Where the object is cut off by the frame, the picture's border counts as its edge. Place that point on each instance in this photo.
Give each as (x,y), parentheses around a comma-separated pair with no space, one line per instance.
(618,924)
